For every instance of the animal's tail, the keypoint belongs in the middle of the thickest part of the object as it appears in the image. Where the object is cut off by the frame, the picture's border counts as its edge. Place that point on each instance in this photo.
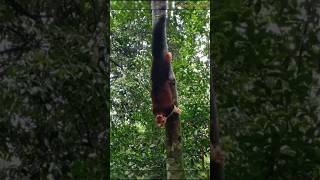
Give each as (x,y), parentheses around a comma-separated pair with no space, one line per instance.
(159,39)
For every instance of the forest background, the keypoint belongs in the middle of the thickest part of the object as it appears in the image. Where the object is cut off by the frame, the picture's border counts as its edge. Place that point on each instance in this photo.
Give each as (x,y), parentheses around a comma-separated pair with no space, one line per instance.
(54,88)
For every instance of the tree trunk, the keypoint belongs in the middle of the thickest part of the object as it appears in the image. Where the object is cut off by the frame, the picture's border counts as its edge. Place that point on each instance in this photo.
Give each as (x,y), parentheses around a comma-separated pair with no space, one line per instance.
(216,154)
(100,54)
(174,163)
(315,93)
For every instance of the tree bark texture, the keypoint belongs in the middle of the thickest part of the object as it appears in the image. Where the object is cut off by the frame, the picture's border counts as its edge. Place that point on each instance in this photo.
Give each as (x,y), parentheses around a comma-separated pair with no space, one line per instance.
(174,163)
(216,154)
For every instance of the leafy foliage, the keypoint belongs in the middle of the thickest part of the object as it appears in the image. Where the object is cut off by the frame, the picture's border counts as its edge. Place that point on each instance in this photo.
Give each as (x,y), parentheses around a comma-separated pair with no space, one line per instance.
(53,95)
(265,54)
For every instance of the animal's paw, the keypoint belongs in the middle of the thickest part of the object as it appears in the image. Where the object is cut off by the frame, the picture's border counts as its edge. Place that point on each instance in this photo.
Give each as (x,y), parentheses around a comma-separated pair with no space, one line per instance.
(176,110)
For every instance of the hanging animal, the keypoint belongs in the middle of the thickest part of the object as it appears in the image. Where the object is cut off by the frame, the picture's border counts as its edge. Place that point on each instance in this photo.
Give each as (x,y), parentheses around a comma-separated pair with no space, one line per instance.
(163,99)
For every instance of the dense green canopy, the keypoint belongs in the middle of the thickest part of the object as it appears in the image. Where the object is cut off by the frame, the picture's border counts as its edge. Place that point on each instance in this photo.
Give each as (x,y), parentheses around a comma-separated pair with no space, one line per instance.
(54,88)
(53,92)
(266,52)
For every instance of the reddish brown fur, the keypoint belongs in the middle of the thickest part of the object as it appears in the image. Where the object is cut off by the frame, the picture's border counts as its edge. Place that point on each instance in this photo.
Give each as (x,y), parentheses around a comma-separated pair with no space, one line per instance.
(168,57)
(162,101)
